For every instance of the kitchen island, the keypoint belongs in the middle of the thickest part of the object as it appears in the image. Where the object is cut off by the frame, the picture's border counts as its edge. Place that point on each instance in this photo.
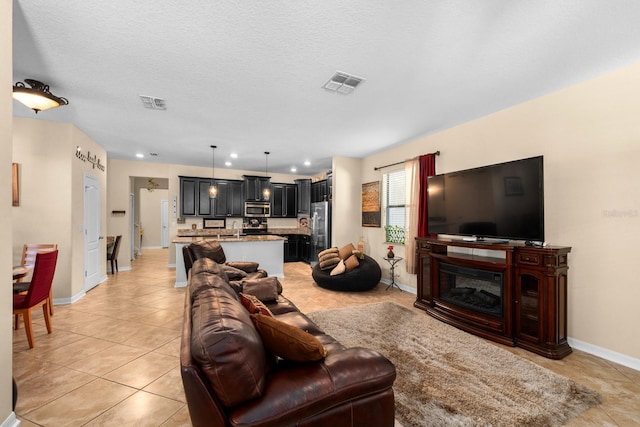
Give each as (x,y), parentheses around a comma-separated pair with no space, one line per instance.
(266,250)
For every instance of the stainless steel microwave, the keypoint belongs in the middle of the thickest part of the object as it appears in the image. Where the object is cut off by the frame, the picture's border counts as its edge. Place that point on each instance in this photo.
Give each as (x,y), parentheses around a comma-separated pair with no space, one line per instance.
(257,209)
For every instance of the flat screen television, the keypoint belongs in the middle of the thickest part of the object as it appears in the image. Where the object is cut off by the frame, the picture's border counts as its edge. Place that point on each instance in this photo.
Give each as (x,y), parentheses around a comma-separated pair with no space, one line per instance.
(503,201)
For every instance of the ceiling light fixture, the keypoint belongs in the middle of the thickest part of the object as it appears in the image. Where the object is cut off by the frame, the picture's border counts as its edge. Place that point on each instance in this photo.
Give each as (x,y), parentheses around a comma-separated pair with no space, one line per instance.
(213,190)
(266,193)
(37,97)
(343,83)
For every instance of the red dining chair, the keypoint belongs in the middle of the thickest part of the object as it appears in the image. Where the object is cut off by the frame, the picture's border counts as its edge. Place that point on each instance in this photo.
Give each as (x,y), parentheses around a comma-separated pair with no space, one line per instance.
(29,252)
(38,293)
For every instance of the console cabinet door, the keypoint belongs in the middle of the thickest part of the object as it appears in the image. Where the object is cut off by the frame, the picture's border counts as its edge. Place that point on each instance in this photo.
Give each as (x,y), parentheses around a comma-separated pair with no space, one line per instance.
(528,306)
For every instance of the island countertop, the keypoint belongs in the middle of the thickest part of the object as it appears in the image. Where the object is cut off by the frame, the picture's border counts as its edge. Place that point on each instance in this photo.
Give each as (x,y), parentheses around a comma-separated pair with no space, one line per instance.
(229,232)
(229,238)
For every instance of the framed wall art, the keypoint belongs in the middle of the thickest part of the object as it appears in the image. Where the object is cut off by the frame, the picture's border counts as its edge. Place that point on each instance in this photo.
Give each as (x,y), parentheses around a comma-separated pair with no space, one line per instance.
(371,204)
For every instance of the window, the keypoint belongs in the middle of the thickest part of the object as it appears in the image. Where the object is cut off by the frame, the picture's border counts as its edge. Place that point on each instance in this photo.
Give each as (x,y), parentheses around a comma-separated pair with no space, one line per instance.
(395,206)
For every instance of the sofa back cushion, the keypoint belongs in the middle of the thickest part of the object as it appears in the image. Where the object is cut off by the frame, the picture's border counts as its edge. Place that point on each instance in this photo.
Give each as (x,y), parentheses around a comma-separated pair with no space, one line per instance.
(226,346)
(208,249)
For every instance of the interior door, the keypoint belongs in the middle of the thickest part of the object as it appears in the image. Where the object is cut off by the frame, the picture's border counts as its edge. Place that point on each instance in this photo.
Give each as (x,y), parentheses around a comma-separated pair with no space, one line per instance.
(164,221)
(92,259)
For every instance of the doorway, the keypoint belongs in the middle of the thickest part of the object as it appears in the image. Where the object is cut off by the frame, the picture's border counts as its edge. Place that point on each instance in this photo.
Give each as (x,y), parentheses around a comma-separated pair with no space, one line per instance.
(92,235)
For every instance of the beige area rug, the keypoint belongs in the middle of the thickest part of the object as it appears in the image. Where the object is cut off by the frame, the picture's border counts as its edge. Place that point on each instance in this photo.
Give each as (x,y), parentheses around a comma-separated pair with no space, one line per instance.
(447,377)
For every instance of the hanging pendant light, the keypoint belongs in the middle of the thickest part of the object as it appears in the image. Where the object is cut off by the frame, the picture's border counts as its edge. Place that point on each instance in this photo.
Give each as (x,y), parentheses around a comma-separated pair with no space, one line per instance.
(37,97)
(266,192)
(213,190)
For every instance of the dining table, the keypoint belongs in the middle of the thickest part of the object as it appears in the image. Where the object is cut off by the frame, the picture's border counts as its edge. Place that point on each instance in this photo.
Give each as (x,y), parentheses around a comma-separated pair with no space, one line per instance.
(19,272)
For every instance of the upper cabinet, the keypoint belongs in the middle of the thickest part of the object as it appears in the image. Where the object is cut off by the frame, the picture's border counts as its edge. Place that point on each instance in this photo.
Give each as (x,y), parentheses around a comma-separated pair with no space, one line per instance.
(194,196)
(320,191)
(304,196)
(195,200)
(284,201)
(230,200)
(254,187)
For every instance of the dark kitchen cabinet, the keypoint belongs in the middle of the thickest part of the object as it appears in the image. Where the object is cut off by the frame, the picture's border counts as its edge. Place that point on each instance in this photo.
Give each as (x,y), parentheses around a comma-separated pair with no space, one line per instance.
(194,196)
(291,247)
(319,191)
(305,248)
(254,187)
(304,196)
(188,196)
(230,200)
(283,201)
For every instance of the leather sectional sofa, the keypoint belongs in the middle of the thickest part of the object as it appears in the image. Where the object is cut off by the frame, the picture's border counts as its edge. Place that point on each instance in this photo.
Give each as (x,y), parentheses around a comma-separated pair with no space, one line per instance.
(231,379)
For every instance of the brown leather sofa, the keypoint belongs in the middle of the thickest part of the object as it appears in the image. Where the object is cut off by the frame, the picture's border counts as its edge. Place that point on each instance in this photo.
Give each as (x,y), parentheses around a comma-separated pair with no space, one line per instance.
(230,379)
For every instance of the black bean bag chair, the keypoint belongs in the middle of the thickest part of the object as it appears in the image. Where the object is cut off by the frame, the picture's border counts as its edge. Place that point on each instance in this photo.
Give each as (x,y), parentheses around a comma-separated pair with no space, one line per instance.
(363,278)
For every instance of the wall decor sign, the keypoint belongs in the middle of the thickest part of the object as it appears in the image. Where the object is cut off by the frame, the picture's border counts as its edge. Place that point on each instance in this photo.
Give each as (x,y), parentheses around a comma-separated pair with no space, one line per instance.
(15,187)
(371,204)
(93,159)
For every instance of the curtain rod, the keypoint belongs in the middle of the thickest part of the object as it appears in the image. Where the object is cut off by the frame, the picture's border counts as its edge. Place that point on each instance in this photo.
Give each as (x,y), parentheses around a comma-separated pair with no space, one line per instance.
(437,153)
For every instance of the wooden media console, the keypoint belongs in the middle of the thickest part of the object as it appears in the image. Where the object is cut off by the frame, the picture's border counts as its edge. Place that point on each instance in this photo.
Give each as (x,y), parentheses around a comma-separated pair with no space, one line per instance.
(506,292)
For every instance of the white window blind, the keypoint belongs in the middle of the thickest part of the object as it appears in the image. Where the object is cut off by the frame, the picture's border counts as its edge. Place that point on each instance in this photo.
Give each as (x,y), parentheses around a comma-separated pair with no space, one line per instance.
(395,202)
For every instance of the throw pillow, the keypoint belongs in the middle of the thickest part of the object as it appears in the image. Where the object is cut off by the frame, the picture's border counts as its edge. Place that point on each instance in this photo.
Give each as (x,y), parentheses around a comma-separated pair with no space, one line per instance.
(338,269)
(287,341)
(265,289)
(327,252)
(246,266)
(346,251)
(327,262)
(232,272)
(254,305)
(351,263)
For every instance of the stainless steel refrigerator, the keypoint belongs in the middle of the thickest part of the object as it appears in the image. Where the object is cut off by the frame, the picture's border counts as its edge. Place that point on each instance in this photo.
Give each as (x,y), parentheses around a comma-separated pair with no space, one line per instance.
(320,229)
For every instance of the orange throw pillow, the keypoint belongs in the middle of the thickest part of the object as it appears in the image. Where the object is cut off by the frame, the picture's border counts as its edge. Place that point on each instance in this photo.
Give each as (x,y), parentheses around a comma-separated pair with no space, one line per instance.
(254,305)
(346,251)
(287,341)
(351,263)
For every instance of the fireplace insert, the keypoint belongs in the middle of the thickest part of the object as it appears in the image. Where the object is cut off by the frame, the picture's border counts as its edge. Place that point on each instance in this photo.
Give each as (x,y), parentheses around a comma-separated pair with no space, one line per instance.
(472,289)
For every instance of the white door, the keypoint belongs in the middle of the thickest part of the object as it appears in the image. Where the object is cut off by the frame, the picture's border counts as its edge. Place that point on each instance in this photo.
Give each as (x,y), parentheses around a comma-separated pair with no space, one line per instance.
(92,259)
(132,228)
(164,221)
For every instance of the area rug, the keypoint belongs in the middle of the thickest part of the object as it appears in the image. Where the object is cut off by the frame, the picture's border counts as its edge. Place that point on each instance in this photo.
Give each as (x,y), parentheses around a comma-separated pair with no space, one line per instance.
(447,377)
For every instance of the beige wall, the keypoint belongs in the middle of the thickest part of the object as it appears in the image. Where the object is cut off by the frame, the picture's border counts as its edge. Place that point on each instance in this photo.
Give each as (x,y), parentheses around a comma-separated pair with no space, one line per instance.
(589,135)
(6,123)
(150,216)
(347,201)
(52,197)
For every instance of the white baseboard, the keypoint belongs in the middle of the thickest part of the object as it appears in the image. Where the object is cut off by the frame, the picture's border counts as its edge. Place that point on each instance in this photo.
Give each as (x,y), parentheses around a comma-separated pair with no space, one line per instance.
(153,247)
(11,421)
(606,354)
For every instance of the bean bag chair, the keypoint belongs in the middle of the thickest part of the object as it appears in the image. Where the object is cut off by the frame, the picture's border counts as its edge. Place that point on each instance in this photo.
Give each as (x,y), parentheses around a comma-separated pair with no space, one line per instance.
(363,278)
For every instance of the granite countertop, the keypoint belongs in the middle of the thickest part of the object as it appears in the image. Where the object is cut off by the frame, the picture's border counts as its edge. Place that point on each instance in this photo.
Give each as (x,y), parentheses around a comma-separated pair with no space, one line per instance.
(229,238)
(228,232)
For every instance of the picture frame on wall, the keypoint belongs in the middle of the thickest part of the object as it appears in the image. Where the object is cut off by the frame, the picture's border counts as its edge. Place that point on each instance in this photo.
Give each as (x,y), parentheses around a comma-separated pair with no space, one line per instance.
(15,187)
(371,215)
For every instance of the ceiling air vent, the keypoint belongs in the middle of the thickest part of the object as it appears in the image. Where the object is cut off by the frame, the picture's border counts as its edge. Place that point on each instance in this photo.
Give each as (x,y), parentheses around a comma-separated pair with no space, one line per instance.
(343,83)
(153,102)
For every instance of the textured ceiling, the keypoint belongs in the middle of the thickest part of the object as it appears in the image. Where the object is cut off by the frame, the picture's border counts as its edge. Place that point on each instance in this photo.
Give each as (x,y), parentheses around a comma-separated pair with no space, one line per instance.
(247,76)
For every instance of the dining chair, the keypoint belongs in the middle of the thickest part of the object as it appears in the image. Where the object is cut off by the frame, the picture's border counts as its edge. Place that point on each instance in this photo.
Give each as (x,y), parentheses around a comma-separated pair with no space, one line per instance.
(38,294)
(29,252)
(113,254)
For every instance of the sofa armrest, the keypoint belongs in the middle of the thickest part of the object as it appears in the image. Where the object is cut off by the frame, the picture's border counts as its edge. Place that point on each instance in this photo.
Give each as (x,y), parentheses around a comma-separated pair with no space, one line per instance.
(247,267)
(299,391)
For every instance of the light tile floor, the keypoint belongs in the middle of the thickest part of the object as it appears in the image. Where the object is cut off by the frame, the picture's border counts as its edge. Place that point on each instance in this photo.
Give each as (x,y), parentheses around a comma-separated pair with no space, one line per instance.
(112,358)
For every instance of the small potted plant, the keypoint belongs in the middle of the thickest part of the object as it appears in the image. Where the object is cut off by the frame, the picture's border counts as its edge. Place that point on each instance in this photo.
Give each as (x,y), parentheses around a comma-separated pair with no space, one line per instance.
(390,254)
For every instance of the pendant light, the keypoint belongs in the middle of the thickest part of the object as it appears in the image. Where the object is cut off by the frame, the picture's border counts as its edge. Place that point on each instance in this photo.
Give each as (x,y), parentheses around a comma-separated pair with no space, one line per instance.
(266,192)
(37,97)
(213,190)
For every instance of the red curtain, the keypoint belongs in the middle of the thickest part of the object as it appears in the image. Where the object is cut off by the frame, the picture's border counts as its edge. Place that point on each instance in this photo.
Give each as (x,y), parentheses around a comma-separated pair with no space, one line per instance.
(427,169)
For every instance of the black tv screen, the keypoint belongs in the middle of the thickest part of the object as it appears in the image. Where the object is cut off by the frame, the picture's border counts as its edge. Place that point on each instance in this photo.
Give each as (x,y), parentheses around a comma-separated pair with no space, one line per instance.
(504,201)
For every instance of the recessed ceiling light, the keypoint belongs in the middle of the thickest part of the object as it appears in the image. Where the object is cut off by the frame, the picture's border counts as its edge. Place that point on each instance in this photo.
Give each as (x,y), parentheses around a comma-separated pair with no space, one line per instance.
(293,169)
(343,83)
(307,163)
(227,163)
(234,155)
(140,155)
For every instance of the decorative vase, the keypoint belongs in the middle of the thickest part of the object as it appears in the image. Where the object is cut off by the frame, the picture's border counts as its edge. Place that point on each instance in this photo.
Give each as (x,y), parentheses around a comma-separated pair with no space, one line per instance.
(390,254)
